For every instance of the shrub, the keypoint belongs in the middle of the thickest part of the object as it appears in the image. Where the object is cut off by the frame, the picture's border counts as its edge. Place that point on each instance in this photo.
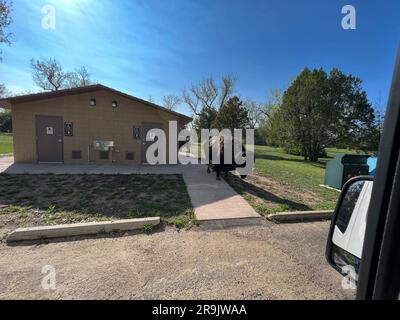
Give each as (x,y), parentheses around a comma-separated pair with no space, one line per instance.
(298,152)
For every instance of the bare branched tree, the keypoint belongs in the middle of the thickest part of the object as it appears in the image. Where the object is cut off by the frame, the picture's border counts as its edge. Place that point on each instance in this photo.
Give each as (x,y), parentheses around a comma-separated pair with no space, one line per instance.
(49,75)
(71,80)
(150,98)
(274,101)
(254,112)
(84,76)
(5,37)
(78,78)
(171,102)
(3,91)
(5,21)
(226,90)
(207,94)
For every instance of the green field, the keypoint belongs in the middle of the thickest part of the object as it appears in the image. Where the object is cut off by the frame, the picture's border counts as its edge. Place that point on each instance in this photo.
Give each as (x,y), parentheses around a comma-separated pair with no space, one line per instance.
(277,164)
(299,174)
(284,182)
(37,200)
(6,143)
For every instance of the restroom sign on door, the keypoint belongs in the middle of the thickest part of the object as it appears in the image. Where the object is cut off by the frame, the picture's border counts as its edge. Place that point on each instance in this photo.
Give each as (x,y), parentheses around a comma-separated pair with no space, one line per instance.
(50,131)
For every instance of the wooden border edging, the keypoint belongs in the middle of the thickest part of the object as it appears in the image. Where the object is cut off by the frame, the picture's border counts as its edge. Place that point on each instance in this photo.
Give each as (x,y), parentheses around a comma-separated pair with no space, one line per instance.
(300,216)
(79,229)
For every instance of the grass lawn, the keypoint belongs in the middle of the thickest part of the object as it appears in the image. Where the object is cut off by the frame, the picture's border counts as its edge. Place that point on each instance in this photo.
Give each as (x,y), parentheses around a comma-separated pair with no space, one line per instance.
(284,182)
(6,143)
(33,200)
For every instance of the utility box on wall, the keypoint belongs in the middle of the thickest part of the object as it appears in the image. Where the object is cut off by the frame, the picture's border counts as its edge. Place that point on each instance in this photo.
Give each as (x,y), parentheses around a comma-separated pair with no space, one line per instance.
(344,167)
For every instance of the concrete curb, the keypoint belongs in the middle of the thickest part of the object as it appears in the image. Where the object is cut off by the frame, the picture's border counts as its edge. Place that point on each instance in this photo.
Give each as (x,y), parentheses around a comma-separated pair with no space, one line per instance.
(330,188)
(300,216)
(79,229)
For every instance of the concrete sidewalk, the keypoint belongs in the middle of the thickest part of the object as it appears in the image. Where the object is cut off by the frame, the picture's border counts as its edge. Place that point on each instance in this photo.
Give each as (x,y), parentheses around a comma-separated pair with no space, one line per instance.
(7,165)
(212,199)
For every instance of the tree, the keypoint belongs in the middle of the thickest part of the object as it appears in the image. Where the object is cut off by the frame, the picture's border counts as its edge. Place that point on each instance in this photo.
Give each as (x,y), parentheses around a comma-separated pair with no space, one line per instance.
(319,110)
(5,115)
(84,76)
(150,99)
(171,102)
(50,76)
(371,140)
(254,111)
(268,129)
(379,122)
(206,98)
(273,102)
(5,21)
(261,133)
(3,91)
(207,94)
(5,121)
(79,78)
(204,119)
(232,115)
(354,119)
(5,37)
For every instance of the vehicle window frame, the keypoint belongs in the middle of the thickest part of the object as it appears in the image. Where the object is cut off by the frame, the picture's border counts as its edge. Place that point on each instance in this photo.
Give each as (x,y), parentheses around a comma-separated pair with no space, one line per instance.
(378,251)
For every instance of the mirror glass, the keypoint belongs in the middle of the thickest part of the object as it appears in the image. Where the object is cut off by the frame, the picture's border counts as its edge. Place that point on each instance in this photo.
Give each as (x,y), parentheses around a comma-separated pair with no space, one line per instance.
(349,230)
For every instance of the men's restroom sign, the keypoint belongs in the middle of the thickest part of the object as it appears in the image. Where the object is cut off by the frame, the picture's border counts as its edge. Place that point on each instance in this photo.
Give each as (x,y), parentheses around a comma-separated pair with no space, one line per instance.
(50,131)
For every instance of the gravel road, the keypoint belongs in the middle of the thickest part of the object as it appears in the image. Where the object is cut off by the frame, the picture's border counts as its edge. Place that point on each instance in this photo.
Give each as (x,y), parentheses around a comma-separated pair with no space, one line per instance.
(267,261)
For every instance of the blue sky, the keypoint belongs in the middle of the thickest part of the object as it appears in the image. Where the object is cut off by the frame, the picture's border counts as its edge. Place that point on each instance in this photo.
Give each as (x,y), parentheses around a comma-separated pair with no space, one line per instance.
(157,47)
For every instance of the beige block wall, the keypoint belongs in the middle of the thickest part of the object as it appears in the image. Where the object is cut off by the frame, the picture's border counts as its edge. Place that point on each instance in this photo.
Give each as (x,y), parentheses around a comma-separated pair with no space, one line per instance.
(89,123)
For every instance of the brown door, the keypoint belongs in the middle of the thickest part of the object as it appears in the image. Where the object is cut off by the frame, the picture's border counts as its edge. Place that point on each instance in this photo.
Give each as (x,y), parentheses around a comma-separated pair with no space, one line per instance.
(49,141)
(146,127)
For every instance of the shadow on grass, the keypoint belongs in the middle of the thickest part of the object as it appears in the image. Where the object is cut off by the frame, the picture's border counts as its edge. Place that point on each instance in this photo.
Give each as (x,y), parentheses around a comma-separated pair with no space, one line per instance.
(242,187)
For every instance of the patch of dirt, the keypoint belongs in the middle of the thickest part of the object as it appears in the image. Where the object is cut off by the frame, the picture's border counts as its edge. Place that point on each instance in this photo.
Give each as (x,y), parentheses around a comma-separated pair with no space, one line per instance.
(284,189)
(266,261)
(269,196)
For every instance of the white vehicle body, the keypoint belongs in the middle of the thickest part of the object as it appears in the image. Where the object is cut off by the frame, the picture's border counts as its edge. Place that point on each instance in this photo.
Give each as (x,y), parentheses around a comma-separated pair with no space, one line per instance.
(352,239)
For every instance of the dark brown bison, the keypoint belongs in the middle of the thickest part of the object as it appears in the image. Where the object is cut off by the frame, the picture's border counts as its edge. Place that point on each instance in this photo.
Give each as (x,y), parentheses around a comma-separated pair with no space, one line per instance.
(221,166)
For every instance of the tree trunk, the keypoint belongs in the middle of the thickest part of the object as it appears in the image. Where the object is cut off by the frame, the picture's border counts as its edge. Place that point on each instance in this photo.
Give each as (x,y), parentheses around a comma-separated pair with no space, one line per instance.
(314,154)
(305,154)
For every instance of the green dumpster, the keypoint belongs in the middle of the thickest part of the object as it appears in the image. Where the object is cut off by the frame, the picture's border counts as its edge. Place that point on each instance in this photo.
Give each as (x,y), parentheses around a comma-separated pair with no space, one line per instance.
(344,167)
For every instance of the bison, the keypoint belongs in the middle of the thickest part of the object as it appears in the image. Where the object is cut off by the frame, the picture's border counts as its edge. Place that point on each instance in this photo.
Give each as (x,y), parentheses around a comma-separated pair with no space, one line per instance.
(221,166)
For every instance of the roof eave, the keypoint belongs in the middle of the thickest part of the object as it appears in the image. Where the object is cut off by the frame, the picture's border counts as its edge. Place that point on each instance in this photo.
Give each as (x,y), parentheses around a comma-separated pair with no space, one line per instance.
(97,87)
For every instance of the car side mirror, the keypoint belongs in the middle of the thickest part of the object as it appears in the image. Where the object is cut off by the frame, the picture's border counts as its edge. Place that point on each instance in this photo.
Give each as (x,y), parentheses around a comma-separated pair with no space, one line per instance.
(346,235)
